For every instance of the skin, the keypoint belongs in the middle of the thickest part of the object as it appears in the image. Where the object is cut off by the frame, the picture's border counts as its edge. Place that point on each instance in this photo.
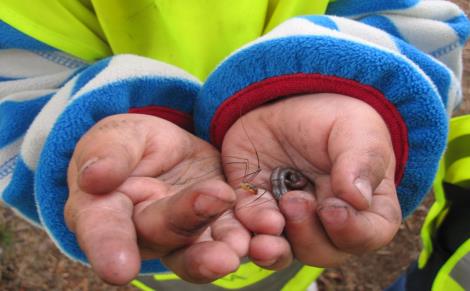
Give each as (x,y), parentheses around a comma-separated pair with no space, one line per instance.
(124,180)
(340,144)
(136,191)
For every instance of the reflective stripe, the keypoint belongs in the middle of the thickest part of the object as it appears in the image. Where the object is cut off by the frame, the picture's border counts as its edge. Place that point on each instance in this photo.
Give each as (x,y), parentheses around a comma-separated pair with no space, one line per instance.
(141,285)
(296,277)
(247,274)
(454,168)
(455,273)
(303,279)
(461,272)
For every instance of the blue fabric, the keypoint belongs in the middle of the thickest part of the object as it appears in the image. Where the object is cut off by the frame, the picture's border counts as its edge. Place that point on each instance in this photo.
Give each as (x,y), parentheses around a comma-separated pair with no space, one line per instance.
(322,20)
(383,23)
(11,38)
(355,7)
(81,114)
(401,83)
(7,167)
(12,127)
(19,194)
(398,285)
(89,73)
(417,100)
(4,78)
(438,73)
(461,26)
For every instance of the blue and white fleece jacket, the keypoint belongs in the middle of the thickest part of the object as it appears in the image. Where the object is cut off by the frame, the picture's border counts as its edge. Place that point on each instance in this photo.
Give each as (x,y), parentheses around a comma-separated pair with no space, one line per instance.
(402,57)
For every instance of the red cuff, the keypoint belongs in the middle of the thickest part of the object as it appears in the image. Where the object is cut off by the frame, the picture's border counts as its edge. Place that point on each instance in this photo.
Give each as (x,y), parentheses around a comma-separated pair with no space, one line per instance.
(179,118)
(281,86)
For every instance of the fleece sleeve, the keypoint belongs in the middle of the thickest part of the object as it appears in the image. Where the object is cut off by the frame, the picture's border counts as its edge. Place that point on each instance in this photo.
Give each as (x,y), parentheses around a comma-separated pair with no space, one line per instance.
(48,100)
(401,57)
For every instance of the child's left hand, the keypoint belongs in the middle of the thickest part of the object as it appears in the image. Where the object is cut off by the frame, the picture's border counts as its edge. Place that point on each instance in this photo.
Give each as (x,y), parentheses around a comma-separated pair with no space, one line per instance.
(140,187)
(344,147)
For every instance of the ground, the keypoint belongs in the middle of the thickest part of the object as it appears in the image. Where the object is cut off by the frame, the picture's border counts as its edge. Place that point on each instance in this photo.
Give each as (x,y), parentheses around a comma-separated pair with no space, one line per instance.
(30,261)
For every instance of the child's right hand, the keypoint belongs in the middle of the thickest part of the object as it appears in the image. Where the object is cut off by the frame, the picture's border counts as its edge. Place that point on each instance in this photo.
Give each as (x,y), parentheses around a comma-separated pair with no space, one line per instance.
(343,146)
(129,199)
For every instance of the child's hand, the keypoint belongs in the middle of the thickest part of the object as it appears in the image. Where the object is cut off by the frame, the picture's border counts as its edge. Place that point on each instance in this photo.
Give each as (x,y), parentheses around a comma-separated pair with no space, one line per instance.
(136,191)
(343,146)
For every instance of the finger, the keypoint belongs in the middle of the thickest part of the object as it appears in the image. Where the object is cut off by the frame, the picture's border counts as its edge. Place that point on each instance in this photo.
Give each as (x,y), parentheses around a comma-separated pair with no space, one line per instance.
(226,228)
(178,220)
(143,190)
(229,230)
(105,232)
(259,213)
(270,252)
(360,231)
(107,154)
(361,153)
(203,262)
(305,233)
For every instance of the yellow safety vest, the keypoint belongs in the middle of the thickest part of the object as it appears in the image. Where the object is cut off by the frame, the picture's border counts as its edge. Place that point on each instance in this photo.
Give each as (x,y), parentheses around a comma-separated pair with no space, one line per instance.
(192,34)
(454,168)
(248,277)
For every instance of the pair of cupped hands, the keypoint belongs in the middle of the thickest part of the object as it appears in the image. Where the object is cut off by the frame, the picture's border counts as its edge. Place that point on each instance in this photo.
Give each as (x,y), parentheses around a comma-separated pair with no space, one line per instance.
(142,188)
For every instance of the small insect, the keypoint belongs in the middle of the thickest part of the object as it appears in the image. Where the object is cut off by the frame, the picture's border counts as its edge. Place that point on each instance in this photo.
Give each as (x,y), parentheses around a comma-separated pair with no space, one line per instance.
(248,187)
(282,179)
(248,177)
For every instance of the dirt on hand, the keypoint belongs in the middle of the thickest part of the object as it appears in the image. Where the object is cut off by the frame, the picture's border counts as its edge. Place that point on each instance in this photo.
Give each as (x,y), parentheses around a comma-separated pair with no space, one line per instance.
(29,260)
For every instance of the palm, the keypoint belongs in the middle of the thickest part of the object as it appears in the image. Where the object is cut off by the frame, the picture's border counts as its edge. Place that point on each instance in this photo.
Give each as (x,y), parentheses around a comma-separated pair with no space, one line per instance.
(258,144)
(174,159)
(151,190)
(332,140)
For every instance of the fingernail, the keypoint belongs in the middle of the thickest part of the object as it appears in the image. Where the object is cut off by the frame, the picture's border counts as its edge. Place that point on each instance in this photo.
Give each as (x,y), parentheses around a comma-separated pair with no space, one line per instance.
(87,165)
(268,263)
(208,206)
(336,215)
(365,188)
(206,272)
(296,209)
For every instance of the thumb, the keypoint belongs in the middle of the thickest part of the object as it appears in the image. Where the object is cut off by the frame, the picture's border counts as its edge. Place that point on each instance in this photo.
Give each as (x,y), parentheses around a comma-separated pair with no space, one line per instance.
(362,156)
(354,178)
(108,153)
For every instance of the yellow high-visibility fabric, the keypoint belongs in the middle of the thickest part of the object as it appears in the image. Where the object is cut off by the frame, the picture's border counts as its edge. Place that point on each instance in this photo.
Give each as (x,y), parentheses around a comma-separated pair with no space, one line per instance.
(192,34)
(67,25)
(248,274)
(454,168)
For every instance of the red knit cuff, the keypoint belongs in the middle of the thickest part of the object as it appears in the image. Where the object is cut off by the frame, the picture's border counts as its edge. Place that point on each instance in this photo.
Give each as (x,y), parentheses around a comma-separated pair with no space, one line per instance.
(179,118)
(277,87)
